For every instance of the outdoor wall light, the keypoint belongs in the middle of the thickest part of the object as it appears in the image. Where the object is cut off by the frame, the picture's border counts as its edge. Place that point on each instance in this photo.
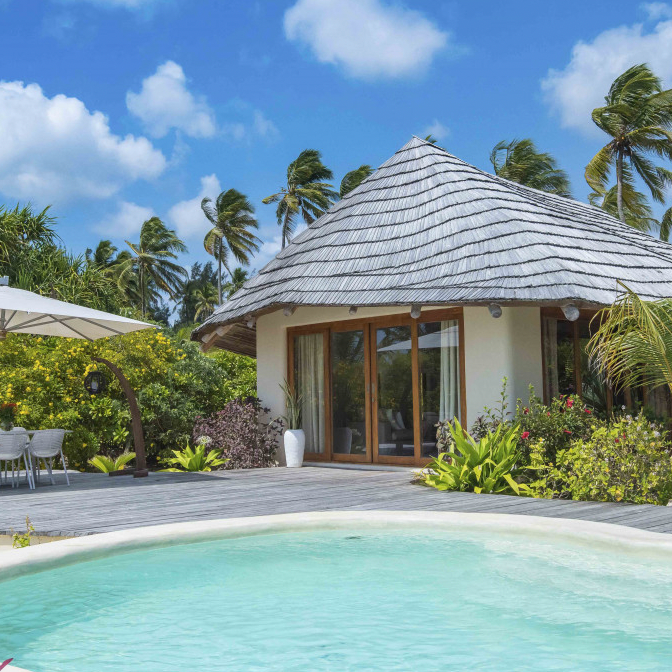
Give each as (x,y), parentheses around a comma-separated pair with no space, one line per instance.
(289,311)
(353,310)
(415,311)
(251,321)
(571,312)
(95,383)
(495,310)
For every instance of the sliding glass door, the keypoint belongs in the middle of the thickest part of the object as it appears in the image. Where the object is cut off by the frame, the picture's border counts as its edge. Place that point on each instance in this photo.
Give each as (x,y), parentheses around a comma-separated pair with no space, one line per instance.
(349,406)
(393,404)
(376,389)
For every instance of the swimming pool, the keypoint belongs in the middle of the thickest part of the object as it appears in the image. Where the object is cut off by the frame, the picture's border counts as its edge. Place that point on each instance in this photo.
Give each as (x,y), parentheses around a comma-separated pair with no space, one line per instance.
(355,597)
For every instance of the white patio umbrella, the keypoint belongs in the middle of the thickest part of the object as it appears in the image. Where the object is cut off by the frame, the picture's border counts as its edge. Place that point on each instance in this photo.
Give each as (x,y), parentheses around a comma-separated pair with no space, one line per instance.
(28,313)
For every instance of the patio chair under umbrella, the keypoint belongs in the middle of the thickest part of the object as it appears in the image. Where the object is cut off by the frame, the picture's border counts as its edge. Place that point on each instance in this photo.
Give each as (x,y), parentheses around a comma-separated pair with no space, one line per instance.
(29,313)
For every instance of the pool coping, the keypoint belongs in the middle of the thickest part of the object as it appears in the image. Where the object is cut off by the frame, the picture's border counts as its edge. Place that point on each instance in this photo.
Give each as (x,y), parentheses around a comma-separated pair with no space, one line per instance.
(23,561)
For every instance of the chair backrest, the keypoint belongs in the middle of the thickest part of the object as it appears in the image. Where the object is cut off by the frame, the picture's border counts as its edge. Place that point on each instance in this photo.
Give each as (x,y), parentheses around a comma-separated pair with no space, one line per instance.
(12,443)
(46,442)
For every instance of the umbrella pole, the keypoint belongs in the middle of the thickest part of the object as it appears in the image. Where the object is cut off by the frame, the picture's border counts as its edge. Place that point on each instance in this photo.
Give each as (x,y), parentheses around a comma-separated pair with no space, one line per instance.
(136,421)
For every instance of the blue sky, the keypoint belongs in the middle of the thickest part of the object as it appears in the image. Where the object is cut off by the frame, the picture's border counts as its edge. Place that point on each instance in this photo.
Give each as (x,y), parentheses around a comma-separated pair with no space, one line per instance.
(114,110)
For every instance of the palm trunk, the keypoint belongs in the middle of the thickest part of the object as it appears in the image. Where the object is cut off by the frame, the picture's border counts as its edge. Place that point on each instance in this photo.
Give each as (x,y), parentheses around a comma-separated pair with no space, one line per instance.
(142,292)
(284,230)
(219,273)
(619,187)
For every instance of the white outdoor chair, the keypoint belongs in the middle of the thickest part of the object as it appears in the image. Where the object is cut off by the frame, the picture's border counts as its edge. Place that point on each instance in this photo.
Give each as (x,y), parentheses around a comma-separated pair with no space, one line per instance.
(47,444)
(12,449)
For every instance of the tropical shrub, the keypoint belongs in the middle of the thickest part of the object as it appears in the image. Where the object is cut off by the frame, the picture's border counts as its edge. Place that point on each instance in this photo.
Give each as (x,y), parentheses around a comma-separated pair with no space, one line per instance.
(629,461)
(242,434)
(565,419)
(174,382)
(107,464)
(194,460)
(488,465)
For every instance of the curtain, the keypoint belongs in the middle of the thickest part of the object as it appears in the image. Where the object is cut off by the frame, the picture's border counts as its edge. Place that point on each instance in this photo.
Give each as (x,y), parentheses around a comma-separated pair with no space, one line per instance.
(449,397)
(550,337)
(309,379)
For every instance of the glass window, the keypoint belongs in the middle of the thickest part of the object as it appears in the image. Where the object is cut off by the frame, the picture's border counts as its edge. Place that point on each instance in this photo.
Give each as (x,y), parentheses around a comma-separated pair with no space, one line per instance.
(309,385)
(348,400)
(395,391)
(439,370)
(558,336)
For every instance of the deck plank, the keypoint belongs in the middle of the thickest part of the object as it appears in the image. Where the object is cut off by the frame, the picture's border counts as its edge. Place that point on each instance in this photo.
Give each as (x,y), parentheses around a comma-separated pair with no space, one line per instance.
(97,503)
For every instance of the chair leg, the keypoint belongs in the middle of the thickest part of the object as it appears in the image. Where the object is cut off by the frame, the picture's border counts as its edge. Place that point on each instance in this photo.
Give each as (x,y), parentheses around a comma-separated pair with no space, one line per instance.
(14,483)
(65,469)
(50,466)
(29,471)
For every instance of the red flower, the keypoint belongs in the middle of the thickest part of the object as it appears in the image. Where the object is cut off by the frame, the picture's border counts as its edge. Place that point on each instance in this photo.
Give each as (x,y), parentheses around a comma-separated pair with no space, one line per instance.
(617,440)
(526,411)
(525,435)
(566,431)
(548,414)
(570,403)
(587,410)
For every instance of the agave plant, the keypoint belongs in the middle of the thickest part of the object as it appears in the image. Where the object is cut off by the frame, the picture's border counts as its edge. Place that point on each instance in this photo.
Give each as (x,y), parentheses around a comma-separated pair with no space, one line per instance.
(487,466)
(194,460)
(107,464)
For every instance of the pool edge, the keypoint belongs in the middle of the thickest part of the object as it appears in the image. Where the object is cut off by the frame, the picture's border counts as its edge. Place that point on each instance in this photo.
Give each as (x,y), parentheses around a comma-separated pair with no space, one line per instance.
(32,559)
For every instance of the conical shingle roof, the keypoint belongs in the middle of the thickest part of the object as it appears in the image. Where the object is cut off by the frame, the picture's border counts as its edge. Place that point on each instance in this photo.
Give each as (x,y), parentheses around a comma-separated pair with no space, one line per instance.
(428,228)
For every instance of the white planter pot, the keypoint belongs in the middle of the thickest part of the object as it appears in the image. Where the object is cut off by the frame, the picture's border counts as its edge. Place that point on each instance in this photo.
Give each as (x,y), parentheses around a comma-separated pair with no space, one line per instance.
(295,442)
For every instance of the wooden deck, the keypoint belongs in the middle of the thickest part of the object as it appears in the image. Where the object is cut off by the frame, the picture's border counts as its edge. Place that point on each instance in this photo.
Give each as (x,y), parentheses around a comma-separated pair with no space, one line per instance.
(98,503)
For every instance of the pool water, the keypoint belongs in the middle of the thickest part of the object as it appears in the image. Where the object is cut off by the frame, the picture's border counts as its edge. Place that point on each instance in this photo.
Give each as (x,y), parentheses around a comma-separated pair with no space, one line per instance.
(341,601)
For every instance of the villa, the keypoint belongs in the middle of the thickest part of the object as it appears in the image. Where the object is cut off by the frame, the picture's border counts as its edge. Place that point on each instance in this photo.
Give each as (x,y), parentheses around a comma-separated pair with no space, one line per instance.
(413,297)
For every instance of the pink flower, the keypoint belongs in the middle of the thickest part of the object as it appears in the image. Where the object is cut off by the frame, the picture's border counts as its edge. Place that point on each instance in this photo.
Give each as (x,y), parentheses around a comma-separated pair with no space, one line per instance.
(525,435)
(570,403)
(566,431)
(548,414)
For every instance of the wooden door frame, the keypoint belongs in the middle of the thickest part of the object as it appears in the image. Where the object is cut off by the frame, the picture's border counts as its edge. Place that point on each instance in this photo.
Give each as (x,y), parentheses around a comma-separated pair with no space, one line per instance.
(368,325)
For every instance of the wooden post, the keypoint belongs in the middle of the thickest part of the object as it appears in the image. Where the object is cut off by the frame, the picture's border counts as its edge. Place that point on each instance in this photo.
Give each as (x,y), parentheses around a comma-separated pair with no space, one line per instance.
(136,421)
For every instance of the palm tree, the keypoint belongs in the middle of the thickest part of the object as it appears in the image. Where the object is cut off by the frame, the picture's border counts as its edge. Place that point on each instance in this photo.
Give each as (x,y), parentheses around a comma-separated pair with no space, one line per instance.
(206,300)
(231,217)
(520,161)
(666,225)
(306,192)
(151,262)
(637,115)
(633,345)
(431,139)
(238,278)
(636,208)
(354,178)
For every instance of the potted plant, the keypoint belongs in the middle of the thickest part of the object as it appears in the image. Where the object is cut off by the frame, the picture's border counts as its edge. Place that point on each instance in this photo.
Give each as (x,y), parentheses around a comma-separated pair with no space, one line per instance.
(7,416)
(294,437)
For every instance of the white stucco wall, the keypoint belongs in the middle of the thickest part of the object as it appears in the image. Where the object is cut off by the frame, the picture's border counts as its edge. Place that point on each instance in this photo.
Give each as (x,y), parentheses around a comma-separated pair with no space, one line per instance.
(509,346)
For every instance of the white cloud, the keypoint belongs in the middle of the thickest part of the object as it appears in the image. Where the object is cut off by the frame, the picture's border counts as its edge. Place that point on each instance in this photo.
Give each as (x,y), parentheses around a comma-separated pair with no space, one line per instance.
(367,38)
(187,217)
(127,221)
(657,10)
(55,149)
(575,91)
(437,129)
(263,126)
(165,102)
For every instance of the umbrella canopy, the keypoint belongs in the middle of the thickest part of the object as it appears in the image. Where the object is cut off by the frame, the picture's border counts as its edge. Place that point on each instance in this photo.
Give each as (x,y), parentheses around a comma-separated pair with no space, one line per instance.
(28,313)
